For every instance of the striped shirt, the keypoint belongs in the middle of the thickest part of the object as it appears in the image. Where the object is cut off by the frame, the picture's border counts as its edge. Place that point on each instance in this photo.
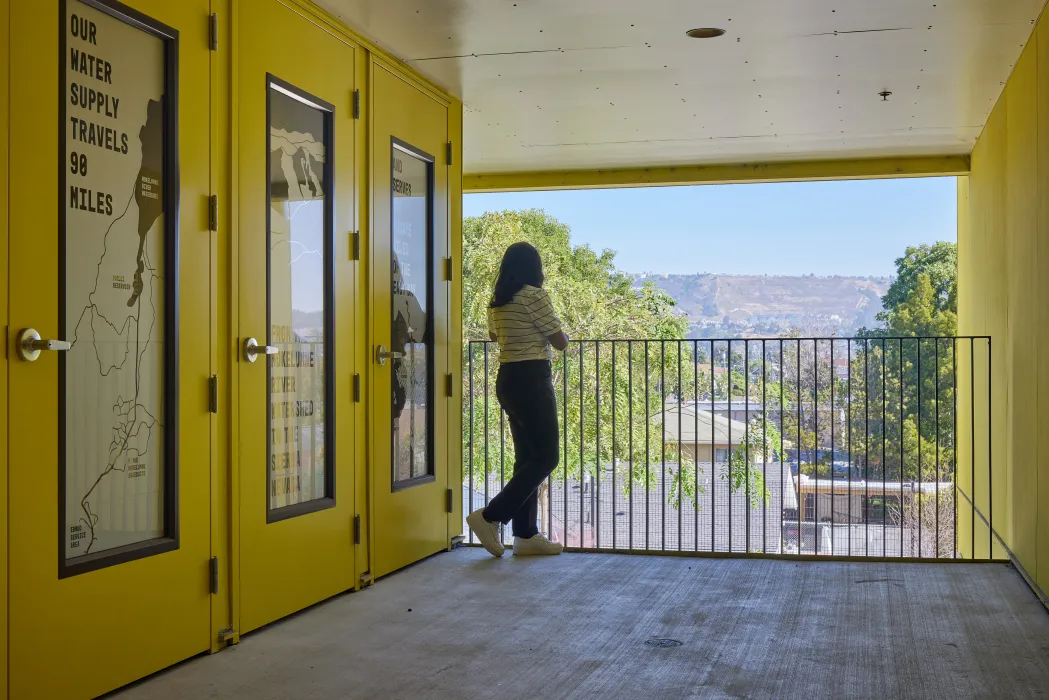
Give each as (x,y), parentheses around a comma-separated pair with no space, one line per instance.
(523,325)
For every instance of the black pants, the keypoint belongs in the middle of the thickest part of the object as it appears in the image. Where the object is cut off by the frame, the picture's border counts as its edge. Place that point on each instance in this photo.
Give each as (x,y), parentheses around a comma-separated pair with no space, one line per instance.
(525,392)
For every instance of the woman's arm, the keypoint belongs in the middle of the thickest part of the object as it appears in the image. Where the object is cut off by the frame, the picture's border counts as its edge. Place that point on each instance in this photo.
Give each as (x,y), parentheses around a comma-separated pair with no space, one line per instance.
(559,340)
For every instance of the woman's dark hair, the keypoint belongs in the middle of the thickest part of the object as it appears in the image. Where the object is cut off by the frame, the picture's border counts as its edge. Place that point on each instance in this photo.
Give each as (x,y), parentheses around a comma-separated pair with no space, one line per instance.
(521,265)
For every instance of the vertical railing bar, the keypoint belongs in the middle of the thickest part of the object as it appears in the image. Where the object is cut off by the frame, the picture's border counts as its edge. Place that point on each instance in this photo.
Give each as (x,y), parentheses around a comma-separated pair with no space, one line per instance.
(502,453)
(884,436)
(867,450)
(486,391)
(848,423)
(663,442)
(630,434)
(916,497)
(801,499)
(816,438)
(597,444)
(936,374)
(582,443)
(765,449)
(680,460)
(614,446)
(885,431)
(833,378)
(648,452)
(746,439)
(782,429)
(972,416)
(564,430)
(954,456)
(728,383)
(713,454)
(695,436)
(990,459)
(470,456)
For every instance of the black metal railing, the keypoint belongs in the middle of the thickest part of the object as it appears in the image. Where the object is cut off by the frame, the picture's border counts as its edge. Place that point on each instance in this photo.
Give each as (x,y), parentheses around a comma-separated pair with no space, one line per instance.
(871,446)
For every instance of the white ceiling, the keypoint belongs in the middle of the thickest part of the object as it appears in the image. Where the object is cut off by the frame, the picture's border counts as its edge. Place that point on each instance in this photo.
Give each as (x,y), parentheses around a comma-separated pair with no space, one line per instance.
(579,84)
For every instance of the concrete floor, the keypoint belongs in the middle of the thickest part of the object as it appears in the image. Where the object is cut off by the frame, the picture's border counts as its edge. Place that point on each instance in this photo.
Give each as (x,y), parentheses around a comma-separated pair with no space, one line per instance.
(464,625)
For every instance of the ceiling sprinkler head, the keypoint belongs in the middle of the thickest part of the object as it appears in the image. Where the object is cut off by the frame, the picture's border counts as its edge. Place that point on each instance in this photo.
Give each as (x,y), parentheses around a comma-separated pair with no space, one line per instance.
(884,94)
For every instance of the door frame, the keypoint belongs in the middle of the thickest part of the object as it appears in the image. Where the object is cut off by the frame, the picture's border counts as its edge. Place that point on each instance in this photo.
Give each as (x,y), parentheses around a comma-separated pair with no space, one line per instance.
(171,195)
(38,591)
(345,282)
(446,426)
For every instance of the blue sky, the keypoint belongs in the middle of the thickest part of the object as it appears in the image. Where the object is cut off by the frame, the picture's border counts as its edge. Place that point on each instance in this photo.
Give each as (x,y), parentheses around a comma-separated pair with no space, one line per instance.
(823,228)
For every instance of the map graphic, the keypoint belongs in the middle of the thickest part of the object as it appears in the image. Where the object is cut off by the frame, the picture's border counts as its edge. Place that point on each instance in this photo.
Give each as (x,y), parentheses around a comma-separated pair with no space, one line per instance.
(116,363)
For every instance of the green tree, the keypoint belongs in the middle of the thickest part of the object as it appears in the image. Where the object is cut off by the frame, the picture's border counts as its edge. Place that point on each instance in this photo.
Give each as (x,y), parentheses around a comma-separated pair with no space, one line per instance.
(603,387)
(939,263)
(911,383)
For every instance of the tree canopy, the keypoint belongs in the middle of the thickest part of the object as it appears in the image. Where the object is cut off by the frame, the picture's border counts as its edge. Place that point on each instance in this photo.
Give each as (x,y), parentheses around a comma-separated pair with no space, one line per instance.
(592,298)
(924,295)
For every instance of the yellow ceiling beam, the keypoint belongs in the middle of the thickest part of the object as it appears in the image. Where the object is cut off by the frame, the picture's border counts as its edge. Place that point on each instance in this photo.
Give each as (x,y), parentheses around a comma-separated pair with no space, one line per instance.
(792,171)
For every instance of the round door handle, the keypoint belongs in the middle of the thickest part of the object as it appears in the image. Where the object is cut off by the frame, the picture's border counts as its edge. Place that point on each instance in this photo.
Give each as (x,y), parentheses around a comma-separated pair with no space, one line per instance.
(252,350)
(382,354)
(30,344)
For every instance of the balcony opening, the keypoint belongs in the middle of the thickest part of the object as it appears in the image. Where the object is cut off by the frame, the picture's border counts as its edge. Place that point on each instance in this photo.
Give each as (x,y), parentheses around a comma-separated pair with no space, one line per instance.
(768,369)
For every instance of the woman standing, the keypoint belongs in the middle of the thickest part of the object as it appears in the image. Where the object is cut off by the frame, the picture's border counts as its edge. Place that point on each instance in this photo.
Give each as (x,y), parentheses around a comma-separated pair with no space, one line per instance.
(522,320)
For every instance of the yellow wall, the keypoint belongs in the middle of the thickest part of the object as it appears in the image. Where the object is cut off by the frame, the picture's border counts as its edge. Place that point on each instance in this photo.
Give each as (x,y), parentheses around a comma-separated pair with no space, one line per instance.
(4,437)
(219,299)
(1003,249)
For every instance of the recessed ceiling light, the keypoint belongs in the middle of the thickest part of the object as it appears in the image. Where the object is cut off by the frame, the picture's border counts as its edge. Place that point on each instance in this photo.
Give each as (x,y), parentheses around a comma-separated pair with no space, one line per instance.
(705,33)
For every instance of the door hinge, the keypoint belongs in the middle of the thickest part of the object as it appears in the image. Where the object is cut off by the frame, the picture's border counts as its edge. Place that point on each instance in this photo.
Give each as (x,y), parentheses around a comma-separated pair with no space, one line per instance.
(448,152)
(356,388)
(355,245)
(356,104)
(357,529)
(448,502)
(225,635)
(213,393)
(213,576)
(448,388)
(447,269)
(213,32)
(213,212)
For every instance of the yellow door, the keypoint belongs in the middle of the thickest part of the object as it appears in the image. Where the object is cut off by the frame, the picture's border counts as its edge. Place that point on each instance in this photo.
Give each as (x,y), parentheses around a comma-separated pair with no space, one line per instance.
(410,312)
(109,509)
(296,313)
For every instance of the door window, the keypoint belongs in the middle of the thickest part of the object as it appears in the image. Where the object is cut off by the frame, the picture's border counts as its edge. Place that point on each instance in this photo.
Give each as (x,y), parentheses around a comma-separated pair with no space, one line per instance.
(118,274)
(300,282)
(411,327)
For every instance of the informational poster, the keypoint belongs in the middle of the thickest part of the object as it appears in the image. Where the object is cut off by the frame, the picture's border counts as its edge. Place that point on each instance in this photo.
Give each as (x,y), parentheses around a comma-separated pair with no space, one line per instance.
(114,135)
(298,298)
(410,273)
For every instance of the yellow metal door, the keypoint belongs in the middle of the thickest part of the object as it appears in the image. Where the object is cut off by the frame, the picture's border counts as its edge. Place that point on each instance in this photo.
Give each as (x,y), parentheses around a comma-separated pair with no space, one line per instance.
(296,302)
(109,509)
(410,312)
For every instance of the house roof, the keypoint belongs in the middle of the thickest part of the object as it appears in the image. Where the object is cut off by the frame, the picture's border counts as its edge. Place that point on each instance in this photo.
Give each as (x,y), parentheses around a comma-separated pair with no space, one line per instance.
(688,424)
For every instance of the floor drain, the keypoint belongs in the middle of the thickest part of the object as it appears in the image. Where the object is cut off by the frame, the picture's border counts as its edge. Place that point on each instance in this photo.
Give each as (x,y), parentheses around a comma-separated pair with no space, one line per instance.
(663,643)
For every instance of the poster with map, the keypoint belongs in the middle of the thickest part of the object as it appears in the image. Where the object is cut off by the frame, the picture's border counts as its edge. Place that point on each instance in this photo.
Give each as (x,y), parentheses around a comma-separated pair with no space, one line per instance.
(298,299)
(114,303)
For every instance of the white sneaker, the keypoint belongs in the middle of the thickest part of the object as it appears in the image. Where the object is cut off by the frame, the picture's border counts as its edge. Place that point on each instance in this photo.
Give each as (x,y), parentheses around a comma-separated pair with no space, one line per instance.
(487,533)
(538,544)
